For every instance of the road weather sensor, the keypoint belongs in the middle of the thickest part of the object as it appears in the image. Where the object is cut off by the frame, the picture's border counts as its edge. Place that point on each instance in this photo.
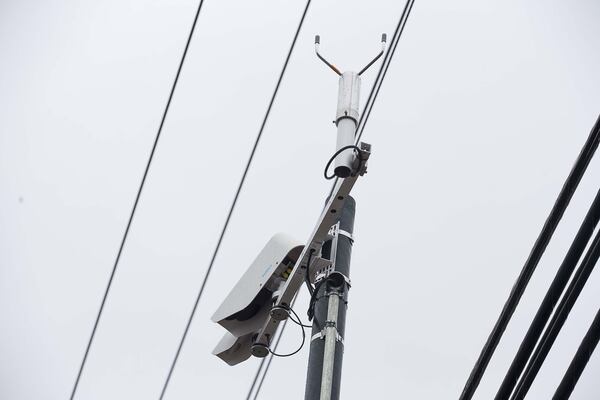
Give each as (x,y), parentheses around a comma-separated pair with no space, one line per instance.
(262,298)
(246,309)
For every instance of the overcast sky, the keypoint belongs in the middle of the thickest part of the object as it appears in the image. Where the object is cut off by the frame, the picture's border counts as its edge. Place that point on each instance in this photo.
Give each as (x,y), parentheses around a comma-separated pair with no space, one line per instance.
(484,109)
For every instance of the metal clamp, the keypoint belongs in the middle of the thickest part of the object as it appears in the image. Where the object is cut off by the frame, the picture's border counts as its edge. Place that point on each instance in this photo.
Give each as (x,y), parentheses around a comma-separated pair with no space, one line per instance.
(322,334)
(347,234)
(328,217)
(335,231)
(345,278)
(361,161)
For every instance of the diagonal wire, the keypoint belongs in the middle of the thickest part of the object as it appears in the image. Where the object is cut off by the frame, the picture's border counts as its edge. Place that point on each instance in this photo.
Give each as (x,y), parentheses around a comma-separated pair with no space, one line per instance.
(580,360)
(233,204)
(385,64)
(559,318)
(562,201)
(364,117)
(361,126)
(268,364)
(552,297)
(135,204)
(257,375)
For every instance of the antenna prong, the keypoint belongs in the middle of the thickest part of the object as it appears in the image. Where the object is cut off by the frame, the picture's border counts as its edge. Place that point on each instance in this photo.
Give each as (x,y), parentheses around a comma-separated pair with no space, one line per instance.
(383,42)
(330,65)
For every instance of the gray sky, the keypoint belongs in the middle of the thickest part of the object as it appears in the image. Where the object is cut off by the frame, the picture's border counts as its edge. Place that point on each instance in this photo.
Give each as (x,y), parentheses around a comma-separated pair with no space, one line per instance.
(483,111)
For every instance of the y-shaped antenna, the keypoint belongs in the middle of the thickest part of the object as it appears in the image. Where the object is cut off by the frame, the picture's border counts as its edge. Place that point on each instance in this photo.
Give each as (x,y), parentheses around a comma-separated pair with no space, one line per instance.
(330,65)
(383,40)
(347,115)
(334,68)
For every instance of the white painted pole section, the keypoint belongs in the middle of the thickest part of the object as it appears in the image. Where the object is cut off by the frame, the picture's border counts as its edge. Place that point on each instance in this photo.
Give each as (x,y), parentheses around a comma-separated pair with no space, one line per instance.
(329,351)
(346,120)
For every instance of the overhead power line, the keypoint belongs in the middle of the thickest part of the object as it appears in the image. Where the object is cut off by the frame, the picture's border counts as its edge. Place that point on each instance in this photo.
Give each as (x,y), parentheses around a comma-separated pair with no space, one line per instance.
(359,131)
(233,204)
(580,360)
(559,318)
(537,251)
(256,381)
(551,299)
(364,116)
(259,378)
(137,199)
(385,64)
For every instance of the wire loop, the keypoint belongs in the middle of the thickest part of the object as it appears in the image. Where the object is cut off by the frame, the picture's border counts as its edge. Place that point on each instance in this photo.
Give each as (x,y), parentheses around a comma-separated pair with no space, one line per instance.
(337,153)
(298,322)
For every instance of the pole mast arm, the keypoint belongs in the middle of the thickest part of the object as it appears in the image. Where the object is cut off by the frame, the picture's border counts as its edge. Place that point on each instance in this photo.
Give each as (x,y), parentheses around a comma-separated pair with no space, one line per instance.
(329,217)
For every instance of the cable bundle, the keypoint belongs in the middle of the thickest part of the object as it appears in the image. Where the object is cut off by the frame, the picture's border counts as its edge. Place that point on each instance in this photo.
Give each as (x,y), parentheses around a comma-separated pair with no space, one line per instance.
(557,285)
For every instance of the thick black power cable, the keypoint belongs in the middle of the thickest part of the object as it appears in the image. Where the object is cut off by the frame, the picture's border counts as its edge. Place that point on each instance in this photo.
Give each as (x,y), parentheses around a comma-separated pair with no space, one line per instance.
(538,249)
(579,362)
(137,199)
(233,204)
(364,117)
(551,298)
(559,318)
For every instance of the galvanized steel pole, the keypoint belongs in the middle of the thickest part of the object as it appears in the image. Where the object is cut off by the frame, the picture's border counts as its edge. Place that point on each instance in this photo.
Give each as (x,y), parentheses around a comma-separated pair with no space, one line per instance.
(329,323)
(330,296)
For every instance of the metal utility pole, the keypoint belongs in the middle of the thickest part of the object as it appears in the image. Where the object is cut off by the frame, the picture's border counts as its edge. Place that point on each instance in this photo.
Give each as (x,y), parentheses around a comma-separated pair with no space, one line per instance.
(329,321)
(330,298)
(263,297)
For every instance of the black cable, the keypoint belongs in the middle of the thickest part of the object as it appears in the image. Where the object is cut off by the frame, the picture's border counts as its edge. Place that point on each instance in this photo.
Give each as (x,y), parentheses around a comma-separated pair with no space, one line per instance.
(135,203)
(371,99)
(262,379)
(551,299)
(364,116)
(314,298)
(559,318)
(307,277)
(255,380)
(538,249)
(233,204)
(311,308)
(351,146)
(298,322)
(385,64)
(271,357)
(580,360)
